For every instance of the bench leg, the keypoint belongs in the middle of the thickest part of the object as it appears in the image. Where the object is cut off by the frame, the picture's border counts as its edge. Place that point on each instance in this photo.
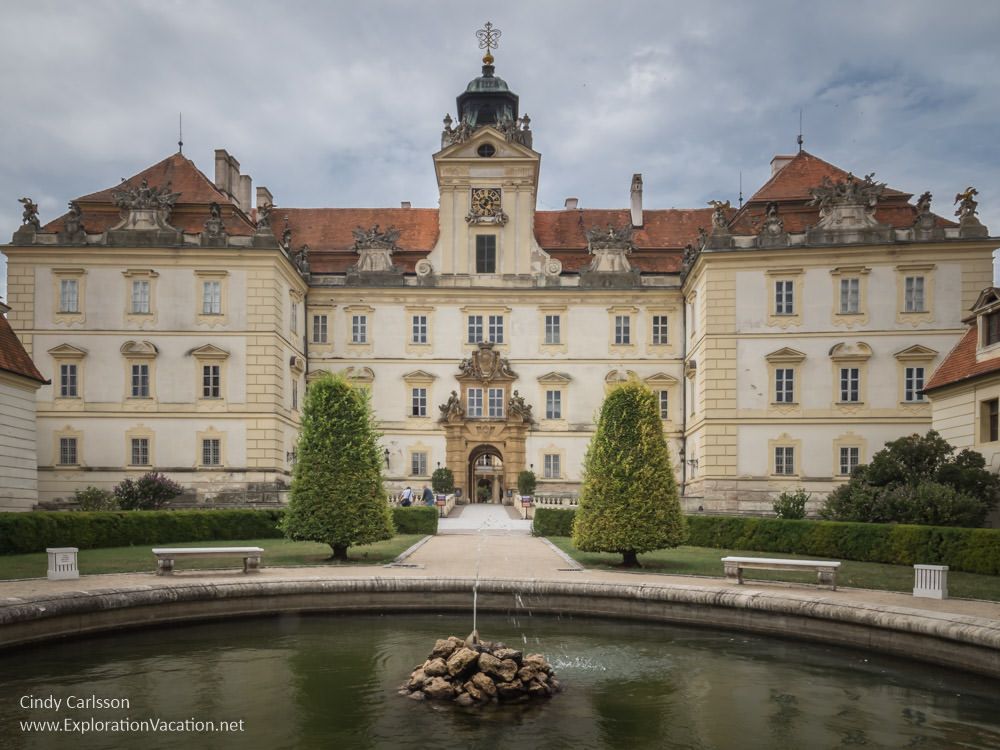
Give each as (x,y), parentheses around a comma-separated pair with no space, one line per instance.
(828,578)
(251,564)
(733,570)
(164,567)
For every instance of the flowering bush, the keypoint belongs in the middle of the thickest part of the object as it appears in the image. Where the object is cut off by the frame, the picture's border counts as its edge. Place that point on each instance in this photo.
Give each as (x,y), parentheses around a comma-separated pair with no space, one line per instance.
(151,491)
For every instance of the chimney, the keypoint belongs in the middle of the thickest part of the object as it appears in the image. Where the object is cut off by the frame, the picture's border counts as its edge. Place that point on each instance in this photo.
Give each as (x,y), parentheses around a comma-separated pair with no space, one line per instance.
(264,197)
(234,179)
(222,169)
(779,162)
(636,196)
(571,203)
(405,204)
(246,185)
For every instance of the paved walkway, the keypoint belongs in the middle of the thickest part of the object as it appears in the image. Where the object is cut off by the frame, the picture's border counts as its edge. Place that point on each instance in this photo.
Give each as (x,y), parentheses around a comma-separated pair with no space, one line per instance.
(485,518)
(499,556)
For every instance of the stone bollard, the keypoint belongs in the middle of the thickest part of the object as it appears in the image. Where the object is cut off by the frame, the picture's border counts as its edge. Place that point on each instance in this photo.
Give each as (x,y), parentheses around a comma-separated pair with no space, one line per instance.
(62,563)
(931,581)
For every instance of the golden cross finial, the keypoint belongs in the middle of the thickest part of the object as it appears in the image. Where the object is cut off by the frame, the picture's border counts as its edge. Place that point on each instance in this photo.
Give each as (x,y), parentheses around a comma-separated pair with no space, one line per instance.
(488,39)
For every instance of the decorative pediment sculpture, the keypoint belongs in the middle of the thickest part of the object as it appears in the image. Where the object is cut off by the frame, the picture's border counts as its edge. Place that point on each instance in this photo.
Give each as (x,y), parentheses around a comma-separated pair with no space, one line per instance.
(145,210)
(720,222)
(215,229)
(374,248)
(515,131)
(301,260)
(29,216)
(772,231)
(969,224)
(517,408)
(485,365)
(452,410)
(264,218)
(73,230)
(847,211)
(610,249)
(286,237)
(688,258)
(925,223)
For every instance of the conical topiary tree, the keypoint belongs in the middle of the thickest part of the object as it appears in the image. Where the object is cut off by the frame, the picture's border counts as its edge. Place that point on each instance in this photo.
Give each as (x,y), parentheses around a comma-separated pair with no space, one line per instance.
(628,502)
(337,496)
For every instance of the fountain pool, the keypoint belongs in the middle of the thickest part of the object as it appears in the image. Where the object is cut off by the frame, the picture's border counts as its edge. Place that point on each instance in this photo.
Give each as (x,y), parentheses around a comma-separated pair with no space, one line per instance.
(304,681)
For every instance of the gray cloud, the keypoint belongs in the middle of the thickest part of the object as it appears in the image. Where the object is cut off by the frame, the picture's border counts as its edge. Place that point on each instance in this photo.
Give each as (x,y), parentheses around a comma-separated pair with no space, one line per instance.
(340,104)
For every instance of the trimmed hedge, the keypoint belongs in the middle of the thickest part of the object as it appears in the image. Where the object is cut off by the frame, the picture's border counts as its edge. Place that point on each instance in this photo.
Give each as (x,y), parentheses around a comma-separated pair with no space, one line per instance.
(417,519)
(552,522)
(969,550)
(33,532)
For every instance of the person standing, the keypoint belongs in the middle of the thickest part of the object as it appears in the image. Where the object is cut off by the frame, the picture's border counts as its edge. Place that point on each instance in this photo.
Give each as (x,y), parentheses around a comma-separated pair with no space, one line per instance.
(428,496)
(406,499)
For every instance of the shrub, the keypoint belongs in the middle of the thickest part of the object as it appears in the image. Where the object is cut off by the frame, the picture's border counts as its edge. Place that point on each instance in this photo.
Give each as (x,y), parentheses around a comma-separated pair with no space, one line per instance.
(915,480)
(526,482)
(628,500)
(420,519)
(94,498)
(443,481)
(151,491)
(553,522)
(791,504)
(33,532)
(337,495)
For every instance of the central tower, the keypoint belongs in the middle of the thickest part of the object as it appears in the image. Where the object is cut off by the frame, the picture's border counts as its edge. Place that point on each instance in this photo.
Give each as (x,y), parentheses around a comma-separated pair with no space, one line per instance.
(487,175)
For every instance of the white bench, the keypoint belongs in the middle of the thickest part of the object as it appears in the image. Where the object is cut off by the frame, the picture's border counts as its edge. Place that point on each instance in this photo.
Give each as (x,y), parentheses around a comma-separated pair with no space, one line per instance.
(165,556)
(826,569)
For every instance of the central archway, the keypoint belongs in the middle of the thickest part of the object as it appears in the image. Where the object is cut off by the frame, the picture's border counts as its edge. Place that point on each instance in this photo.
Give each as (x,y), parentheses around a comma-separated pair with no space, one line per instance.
(485,474)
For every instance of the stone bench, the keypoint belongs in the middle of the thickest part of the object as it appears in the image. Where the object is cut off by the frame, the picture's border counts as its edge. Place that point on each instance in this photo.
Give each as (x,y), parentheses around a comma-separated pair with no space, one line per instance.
(826,569)
(165,556)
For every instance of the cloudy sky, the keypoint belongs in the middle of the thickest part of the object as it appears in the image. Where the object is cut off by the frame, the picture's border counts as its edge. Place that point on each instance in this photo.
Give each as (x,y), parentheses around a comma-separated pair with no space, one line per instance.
(340,103)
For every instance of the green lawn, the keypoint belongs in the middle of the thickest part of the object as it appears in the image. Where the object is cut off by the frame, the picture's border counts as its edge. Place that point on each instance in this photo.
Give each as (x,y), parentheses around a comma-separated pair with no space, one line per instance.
(704,561)
(277,553)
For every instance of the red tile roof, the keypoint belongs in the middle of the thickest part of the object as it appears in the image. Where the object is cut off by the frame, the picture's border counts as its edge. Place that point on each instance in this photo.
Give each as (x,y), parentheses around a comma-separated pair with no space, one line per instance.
(13,357)
(802,173)
(197,193)
(960,364)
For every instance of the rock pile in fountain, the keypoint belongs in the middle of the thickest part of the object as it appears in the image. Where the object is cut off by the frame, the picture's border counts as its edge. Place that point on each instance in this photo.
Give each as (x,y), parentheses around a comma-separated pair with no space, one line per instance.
(469,672)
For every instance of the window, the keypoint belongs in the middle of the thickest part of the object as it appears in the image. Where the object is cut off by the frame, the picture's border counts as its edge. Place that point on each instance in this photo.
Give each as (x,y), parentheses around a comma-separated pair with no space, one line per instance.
(496,402)
(850,296)
(784,460)
(496,329)
(913,299)
(623,326)
(991,423)
(67,381)
(319,329)
(211,381)
(849,456)
(418,464)
(991,328)
(663,397)
(295,317)
(211,298)
(659,329)
(552,329)
(552,468)
(418,329)
(475,402)
(486,253)
(295,394)
(850,378)
(553,404)
(140,297)
(211,452)
(67,451)
(359,329)
(418,402)
(475,329)
(140,452)
(140,381)
(784,385)
(784,295)
(69,296)
(914,384)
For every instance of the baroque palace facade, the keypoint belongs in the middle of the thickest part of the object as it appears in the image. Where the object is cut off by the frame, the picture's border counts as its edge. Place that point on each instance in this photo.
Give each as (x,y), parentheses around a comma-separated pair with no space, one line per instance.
(786,339)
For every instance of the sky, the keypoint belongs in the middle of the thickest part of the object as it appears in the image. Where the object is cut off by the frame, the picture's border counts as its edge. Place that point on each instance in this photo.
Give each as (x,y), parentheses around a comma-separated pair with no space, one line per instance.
(339,103)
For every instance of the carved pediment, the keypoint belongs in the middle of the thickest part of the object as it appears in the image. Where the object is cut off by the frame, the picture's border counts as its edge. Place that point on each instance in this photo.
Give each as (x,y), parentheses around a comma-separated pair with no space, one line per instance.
(847,351)
(660,380)
(419,376)
(785,355)
(987,298)
(620,376)
(209,351)
(144,208)
(554,378)
(139,349)
(67,351)
(485,365)
(917,352)
(359,374)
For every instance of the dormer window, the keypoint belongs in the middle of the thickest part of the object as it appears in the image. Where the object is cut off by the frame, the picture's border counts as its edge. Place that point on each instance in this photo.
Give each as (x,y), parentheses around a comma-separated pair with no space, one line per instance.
(991,328)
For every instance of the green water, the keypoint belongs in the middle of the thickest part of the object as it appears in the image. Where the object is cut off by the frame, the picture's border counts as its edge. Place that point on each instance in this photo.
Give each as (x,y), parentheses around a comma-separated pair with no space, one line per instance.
(330,682)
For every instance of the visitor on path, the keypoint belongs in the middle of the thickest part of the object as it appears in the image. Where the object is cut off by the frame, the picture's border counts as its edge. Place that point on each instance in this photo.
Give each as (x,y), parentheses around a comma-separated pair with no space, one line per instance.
(428,496)
(406,499)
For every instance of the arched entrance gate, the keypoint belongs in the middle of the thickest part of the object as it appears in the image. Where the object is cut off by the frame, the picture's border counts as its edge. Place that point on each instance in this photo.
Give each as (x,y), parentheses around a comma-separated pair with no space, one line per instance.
(485,477)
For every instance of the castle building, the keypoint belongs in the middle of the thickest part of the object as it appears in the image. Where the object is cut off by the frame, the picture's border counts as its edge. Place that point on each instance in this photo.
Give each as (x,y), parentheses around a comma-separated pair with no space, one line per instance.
(786,339)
